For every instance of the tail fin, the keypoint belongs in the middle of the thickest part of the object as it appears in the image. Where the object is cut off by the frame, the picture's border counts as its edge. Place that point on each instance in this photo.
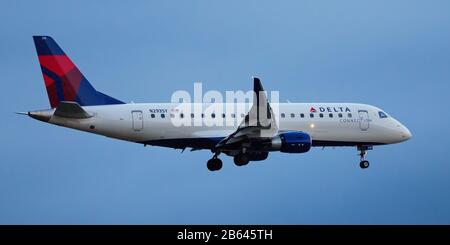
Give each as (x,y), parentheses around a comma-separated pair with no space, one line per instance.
(63,80)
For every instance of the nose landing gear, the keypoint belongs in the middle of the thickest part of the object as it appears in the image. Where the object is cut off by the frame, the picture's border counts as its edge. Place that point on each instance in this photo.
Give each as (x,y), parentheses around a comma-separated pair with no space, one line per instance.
(362,153)
(364,164)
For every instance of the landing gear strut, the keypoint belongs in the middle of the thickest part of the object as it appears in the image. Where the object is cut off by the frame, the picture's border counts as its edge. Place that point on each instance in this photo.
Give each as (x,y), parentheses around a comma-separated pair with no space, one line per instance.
(362,153)
(214,163)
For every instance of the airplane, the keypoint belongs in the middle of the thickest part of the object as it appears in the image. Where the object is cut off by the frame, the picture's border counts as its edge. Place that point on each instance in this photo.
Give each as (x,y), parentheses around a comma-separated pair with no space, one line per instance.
(260,130)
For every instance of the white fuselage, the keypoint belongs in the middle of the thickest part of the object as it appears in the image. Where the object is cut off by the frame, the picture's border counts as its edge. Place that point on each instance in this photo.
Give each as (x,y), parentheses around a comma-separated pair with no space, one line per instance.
(332,124)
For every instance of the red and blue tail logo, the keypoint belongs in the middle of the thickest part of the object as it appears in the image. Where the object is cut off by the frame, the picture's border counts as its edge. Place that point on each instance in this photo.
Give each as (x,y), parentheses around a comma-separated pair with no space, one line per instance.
(63,80)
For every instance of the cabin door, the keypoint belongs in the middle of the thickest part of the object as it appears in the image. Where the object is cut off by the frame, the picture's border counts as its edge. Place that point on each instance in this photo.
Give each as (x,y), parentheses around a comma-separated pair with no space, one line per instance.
(363,120)
(138,120)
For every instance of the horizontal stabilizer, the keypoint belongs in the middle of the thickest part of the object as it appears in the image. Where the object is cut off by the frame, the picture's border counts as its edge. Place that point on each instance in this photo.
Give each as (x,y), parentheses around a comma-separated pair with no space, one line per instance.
(71,109)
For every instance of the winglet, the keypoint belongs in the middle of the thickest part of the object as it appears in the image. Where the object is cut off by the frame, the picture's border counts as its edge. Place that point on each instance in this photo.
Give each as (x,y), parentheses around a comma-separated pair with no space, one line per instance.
(257,86)
(260,104)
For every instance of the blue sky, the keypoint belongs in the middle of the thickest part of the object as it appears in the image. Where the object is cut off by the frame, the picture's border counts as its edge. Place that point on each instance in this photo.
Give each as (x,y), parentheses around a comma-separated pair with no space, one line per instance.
(392,54)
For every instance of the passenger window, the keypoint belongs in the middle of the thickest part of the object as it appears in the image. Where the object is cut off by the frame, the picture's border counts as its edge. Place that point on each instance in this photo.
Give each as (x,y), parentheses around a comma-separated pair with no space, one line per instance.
(382,114)
(163,115)
(340,115)
(172,115)
(321,115)
(292,115)
(203,115)
(330,115)
(223,115)
(233,115)
(349,115)
(311,115)
(283,115)
(181,115)
(213,115)
(192,115)
(302,115)
(152,115)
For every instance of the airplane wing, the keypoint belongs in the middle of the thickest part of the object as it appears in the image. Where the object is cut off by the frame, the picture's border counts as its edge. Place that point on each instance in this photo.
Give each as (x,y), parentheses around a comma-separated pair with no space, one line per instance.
(259,124)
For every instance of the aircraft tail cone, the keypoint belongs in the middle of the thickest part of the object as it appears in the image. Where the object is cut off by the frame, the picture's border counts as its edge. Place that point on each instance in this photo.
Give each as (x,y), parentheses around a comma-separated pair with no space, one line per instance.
(43,115)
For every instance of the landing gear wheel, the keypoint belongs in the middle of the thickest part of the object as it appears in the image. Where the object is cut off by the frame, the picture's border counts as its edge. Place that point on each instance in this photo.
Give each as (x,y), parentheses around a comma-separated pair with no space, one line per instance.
(210,165)
(362,153)
(364,164)
(241,159)
(214,164)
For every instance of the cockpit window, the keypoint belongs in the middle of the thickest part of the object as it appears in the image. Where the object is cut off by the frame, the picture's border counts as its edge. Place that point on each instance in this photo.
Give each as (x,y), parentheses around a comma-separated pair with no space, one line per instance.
(382,114)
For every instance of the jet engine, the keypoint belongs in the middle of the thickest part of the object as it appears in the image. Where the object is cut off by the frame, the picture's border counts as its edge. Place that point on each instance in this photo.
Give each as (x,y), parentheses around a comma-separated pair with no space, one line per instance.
(292,142)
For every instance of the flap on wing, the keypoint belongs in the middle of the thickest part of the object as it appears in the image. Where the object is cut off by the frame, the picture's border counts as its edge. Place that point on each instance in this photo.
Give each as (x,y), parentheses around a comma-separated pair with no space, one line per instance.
(71,109)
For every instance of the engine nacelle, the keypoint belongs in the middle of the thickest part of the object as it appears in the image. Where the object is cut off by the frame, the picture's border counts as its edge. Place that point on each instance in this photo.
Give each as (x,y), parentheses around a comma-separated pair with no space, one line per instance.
(292,142)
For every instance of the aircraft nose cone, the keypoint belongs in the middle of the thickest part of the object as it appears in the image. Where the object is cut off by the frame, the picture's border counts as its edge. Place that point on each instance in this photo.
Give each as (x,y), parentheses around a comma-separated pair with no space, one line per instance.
(406,134)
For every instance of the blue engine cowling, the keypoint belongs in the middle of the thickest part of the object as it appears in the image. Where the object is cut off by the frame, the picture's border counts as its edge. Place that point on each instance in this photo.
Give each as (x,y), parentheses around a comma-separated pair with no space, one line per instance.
(292,142)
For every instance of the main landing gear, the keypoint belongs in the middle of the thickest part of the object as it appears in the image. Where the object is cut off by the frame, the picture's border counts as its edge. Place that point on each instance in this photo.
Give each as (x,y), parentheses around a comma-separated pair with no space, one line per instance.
(214,163)
(362,153)
(241,159)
